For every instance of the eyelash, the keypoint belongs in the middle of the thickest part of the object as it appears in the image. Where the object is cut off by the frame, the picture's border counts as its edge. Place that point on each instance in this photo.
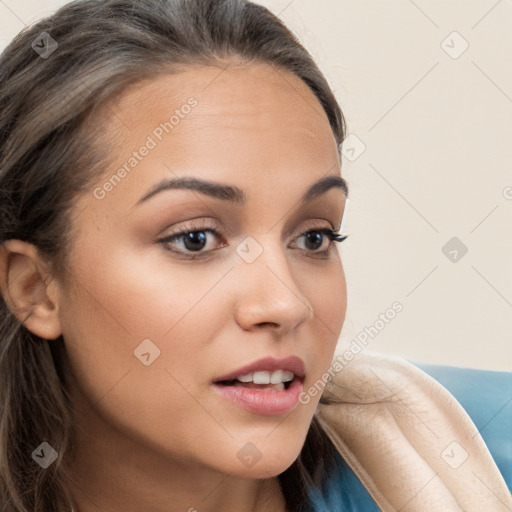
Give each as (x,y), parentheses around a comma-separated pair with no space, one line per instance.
(331,234)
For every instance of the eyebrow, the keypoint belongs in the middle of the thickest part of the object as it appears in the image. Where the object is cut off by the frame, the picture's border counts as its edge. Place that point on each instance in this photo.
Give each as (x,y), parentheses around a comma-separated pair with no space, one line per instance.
(235,194)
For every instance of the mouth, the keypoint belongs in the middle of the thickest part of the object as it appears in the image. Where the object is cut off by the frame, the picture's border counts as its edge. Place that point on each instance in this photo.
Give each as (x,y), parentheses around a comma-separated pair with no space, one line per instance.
(265,386)
(262,399)
(280,386)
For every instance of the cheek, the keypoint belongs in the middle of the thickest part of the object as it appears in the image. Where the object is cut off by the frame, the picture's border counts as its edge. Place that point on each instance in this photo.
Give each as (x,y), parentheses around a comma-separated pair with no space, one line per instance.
(139,293)
(105,325)
(127,311)
(329,302)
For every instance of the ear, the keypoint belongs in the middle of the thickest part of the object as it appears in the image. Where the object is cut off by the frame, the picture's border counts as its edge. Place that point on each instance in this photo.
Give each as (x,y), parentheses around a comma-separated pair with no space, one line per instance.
(28,289)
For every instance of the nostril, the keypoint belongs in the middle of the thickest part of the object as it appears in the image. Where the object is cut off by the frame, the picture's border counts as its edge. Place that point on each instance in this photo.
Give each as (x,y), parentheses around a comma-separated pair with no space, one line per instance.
(266,324)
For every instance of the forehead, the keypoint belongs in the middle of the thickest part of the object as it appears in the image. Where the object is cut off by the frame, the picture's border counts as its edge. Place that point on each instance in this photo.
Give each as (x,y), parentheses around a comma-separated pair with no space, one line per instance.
(256,127)
(249,98)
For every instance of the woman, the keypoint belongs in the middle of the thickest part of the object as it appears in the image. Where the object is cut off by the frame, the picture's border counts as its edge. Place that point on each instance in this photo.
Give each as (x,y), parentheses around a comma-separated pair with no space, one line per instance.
(171,196)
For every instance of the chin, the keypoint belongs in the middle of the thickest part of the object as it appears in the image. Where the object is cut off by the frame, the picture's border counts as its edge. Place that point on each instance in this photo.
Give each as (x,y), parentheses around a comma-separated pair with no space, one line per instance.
(265,457)
(267,469)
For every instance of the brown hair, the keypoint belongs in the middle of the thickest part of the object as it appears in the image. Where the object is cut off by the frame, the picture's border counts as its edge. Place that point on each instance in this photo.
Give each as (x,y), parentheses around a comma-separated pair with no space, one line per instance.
(49,154)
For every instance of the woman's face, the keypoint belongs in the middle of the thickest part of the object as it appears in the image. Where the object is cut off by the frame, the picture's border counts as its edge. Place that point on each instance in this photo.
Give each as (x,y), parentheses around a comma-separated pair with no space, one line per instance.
(150,324)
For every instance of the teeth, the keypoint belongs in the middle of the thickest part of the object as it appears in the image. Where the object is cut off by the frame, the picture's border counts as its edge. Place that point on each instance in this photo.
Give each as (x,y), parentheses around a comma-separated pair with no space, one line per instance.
(261,378)
(264,377)
(274,387)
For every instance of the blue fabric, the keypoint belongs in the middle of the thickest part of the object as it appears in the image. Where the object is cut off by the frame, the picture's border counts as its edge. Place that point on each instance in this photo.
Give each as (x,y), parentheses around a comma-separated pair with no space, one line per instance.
(487,398)
(343,493)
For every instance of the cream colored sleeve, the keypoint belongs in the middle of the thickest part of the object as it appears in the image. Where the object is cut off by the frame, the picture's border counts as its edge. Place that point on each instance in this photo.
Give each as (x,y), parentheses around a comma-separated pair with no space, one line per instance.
(409,441)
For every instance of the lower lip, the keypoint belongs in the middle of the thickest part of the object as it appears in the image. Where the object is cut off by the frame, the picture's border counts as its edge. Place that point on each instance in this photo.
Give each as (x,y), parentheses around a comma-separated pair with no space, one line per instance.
(262,401)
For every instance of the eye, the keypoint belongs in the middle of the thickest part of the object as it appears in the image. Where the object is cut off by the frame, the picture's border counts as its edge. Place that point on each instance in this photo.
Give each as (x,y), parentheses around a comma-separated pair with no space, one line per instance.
(192,241)
(315,239)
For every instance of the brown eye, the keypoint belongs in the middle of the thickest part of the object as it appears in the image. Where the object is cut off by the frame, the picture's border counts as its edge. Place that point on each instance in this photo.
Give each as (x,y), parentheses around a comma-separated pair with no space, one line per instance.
(192,241)
(316,238)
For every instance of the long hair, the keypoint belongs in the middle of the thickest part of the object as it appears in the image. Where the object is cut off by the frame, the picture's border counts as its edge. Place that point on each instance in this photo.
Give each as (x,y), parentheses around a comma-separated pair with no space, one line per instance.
(54,76)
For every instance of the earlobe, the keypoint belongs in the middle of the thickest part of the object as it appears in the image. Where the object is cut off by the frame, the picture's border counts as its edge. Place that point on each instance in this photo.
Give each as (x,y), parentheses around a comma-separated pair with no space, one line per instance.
(23,284)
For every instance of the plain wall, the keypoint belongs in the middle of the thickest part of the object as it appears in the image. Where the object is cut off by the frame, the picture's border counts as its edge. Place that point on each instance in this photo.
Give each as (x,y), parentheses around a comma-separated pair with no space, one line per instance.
(427,162)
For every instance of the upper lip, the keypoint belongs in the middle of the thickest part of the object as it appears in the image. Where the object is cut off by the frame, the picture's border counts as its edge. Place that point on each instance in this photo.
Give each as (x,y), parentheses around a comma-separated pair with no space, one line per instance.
(291,364)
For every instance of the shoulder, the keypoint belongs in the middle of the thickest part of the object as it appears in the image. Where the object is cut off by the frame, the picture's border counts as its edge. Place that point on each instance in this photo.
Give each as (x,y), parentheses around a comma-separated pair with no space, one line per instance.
(408,440)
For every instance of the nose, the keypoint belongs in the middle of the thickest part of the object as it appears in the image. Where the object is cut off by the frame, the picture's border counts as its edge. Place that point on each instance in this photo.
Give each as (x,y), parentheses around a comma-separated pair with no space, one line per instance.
(267,291)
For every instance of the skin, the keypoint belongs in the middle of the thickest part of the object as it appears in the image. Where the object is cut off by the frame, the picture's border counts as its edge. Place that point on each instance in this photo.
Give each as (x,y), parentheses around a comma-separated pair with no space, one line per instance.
(156,437)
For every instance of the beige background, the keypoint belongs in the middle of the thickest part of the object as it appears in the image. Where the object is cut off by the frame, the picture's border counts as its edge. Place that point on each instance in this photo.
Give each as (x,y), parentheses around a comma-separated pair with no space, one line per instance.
(435,126)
